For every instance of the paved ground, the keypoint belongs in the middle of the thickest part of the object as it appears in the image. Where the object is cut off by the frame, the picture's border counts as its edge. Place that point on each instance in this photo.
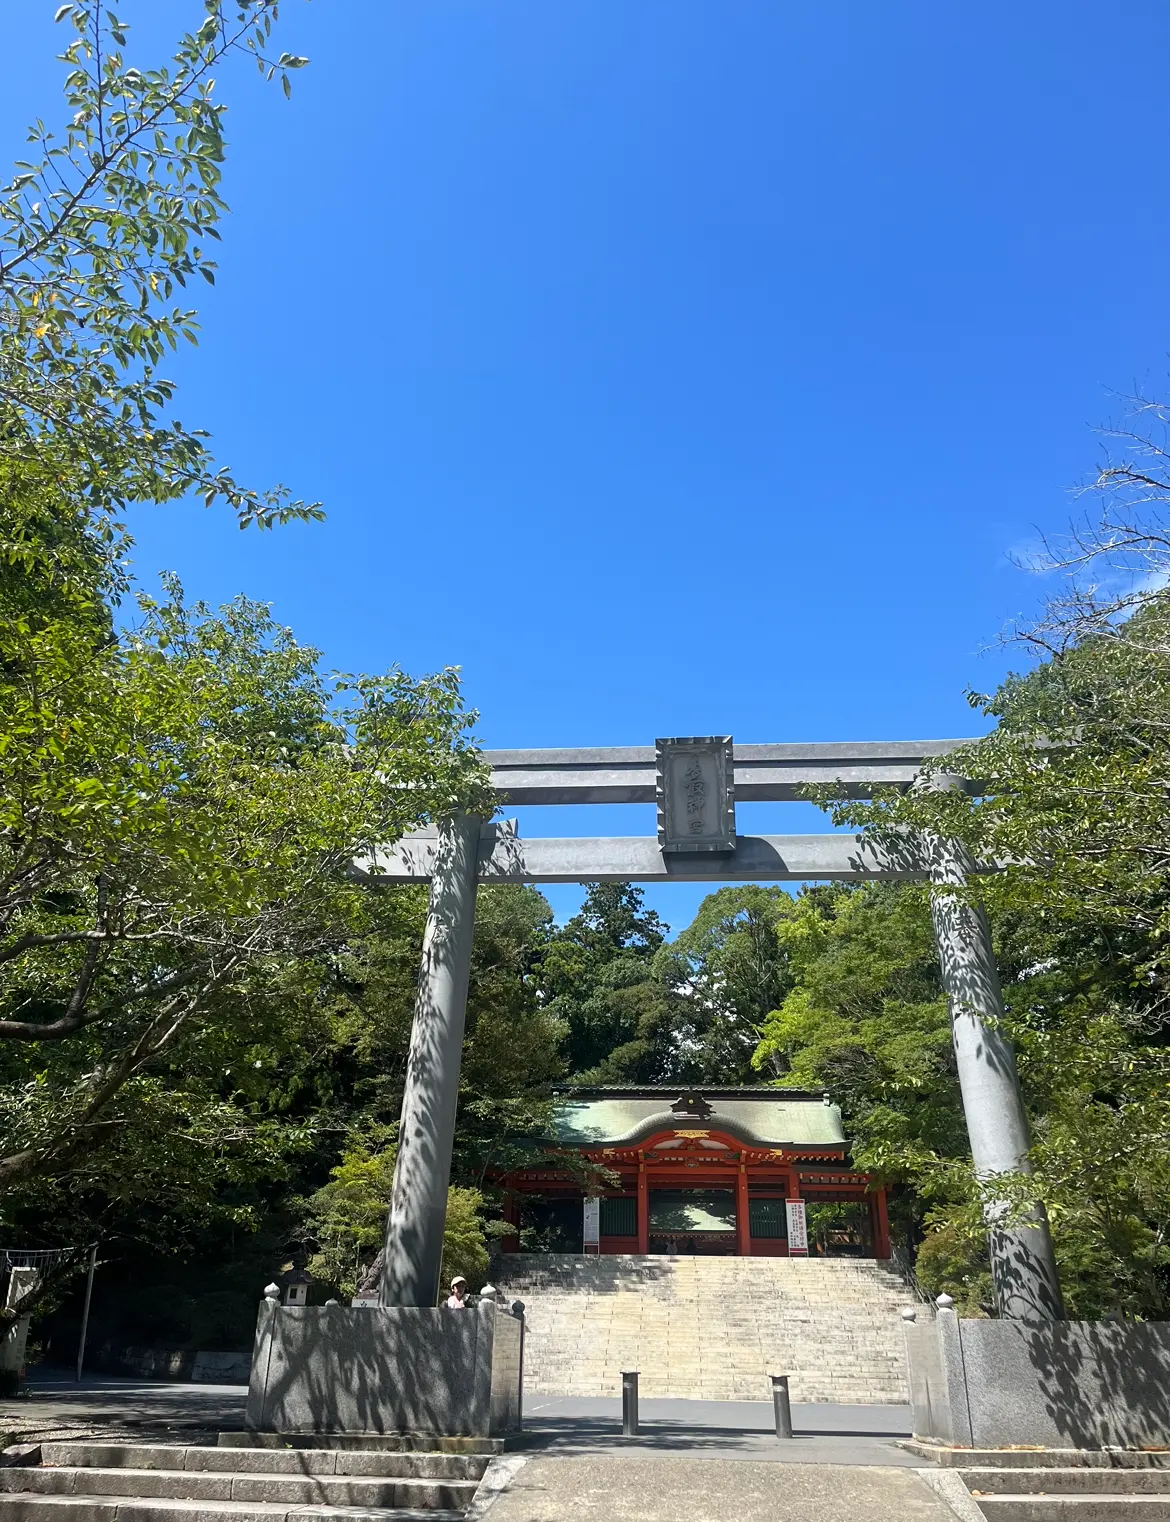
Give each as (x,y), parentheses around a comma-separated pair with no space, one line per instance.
(600,1488)
(719,1429)
(556,1427)
(574,1464)
(57,1405)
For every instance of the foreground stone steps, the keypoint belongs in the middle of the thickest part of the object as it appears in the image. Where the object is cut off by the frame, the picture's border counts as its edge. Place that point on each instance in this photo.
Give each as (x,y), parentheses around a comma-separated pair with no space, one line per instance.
(985,1483)
(712,1328)
(1074,1508)
(1107,1486)
(99,1508)
(266,1462)
(102,1482)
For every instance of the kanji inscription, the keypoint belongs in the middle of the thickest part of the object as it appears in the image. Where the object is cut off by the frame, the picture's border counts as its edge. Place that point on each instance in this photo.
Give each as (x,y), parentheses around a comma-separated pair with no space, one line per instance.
(696,794)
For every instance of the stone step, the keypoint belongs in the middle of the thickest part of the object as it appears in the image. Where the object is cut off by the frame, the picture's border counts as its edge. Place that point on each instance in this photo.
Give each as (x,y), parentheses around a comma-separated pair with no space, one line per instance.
(1075,1508)
(363,1442)
(368,1494)
(1080,1481)
(1038,1458)
(711,1327)
(303,1461)
(32,1507)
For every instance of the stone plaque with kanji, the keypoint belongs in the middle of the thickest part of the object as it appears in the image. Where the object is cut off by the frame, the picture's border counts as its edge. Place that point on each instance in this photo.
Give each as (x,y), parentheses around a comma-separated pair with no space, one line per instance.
(696,794)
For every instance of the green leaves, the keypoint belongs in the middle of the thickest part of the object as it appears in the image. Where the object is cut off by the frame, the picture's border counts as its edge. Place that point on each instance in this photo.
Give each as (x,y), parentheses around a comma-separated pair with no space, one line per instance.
(180,805)
(97,230)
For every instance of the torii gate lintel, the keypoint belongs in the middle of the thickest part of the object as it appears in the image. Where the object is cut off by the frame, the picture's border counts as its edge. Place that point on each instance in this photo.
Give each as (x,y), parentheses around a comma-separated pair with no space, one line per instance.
(695,782)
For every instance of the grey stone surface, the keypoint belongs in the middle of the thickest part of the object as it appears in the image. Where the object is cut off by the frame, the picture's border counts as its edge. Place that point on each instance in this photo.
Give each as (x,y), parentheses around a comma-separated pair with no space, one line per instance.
(269,1461)
(498,1476)
(220,1368)
(1070,1384)
(696,794)
(422,1170)
(113,1455)
(34,1508)
(1097,1481)
(1063,1508)
(929,1391)
(1023,1264)
(669,1488)
(385,1369)
(763,773)
(1048,1458)
(952,1488)
(756,858)
(51,1481)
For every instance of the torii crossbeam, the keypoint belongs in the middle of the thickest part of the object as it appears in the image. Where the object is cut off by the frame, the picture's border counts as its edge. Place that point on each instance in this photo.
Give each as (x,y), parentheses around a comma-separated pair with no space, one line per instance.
(696,782)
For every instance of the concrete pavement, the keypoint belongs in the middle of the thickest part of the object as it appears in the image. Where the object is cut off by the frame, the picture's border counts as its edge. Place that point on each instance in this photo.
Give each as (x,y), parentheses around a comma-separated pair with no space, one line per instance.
(56,1404)
(572,1463)
(602,1488)
(824,1434)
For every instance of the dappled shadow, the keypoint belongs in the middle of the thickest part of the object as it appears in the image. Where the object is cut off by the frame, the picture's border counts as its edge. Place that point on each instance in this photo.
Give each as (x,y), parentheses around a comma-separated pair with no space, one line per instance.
(1104,1384)
(386,1370)
(1022,1261)
(605,1271)
(418,1207)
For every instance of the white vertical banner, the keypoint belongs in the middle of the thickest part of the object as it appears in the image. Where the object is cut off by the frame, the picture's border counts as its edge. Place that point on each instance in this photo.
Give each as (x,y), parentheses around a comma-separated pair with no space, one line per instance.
(592,1233)
(797,1229)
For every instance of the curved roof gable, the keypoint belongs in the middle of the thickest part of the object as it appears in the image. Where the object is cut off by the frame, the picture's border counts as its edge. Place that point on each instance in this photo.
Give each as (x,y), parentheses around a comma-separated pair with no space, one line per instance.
(760,1117)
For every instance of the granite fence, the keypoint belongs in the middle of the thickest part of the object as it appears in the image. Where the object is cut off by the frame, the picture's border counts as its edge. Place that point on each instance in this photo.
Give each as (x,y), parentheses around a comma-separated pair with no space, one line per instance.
(1052,1384)
(387,1369)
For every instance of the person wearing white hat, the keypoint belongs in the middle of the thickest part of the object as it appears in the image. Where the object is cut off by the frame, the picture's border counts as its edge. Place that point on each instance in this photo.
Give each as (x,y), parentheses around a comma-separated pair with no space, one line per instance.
(457,1299)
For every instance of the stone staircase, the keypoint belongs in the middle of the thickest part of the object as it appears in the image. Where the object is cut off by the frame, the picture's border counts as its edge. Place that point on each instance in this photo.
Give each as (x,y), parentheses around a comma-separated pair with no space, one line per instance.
(714,1328)
(1020,1485)
(124,1482)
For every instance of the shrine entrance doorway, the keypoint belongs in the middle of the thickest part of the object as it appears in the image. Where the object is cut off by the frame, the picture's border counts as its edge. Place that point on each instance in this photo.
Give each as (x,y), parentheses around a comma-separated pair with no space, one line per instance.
(695,1220)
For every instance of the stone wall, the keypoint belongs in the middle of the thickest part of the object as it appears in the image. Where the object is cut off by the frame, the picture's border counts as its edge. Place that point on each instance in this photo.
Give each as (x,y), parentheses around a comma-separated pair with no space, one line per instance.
(1057,1384)
(386,1369)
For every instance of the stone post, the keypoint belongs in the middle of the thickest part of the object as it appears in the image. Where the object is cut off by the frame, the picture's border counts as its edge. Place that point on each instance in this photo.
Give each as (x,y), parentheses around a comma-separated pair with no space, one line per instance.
(418,1204)
(1023,1265)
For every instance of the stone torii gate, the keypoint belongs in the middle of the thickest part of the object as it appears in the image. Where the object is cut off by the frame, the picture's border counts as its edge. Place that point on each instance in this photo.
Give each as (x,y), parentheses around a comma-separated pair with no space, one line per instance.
(696,783)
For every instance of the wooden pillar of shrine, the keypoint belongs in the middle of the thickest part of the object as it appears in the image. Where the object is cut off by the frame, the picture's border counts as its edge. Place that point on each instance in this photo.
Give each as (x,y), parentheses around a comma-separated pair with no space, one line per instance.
(743,1218)
(643,1207)
(881,1223)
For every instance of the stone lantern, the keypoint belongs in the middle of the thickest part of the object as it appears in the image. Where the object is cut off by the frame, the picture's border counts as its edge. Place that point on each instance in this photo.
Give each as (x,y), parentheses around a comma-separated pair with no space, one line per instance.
(296,1287)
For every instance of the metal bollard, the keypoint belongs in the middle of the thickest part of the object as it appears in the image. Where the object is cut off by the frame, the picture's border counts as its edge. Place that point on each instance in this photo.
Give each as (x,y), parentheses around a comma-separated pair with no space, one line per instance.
(630,1402)
(782,1405)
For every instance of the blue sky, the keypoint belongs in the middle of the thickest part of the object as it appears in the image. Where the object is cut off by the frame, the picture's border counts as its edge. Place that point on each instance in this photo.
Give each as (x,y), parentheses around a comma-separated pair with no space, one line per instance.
(671,367)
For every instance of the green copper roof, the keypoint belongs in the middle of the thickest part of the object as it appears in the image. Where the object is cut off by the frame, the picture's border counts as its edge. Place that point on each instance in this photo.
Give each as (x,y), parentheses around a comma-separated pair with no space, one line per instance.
(763,1117)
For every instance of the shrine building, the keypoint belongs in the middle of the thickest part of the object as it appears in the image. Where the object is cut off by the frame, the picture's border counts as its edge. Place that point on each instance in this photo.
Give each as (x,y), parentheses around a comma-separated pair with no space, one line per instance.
(744,1172)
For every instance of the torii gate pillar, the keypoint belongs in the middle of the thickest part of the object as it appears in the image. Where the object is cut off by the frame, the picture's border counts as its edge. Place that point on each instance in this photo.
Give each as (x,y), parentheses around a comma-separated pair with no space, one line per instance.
(1023,1264)
(418,1204)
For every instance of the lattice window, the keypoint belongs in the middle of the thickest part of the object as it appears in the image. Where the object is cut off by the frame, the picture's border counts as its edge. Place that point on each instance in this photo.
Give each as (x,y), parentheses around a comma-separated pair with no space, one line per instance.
(768,1218)
(619,1217)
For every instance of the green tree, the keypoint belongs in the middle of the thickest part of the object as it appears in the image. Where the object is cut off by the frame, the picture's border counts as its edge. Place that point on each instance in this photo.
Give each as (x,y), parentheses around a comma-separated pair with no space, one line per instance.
(347,1218)
(730,969)
(100,230)
(596,979)
(511,1050)
(1069,803)
(179,806)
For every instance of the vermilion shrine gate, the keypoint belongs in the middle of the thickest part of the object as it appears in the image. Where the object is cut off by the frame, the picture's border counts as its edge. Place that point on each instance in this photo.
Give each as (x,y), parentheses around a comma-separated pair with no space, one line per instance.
(723,1171)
